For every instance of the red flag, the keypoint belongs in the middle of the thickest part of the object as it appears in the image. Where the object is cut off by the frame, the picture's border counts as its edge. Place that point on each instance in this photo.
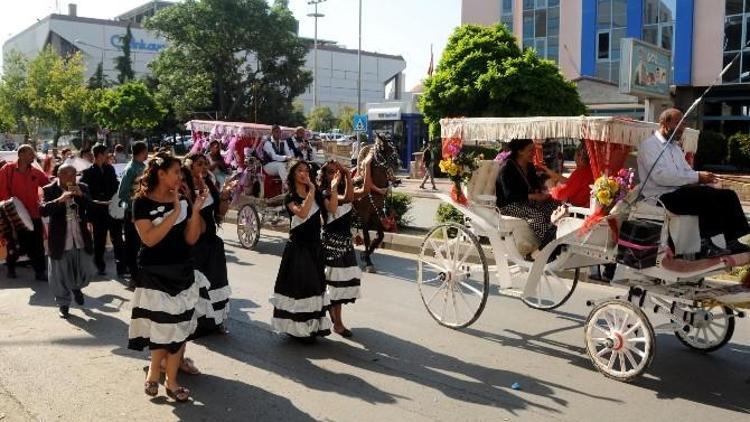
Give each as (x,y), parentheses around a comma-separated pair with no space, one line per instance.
(430,69)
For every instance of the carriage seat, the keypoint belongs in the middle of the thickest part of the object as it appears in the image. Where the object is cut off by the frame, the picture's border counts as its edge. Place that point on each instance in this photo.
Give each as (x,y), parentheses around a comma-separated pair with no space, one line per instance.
(683,229)
(480,192)
(272,185)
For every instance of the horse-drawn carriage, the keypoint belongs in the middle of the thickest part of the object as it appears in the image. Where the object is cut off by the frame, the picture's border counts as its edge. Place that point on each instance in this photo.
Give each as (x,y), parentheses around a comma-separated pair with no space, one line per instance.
(257,196)
(453,270)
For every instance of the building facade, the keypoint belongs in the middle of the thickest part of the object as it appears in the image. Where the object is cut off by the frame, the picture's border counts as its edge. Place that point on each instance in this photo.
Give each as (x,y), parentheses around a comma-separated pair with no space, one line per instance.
(100,41)
(583,38)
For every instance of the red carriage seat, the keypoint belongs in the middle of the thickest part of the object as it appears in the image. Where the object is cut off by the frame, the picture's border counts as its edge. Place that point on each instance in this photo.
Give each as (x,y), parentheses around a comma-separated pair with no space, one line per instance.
(272,185)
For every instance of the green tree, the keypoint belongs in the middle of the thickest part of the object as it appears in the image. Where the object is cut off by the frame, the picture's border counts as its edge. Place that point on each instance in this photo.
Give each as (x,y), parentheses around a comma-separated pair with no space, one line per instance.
(483,73)
(128,108)
(251,72)
(98,80)
(321,119)
(55,91)
(124,63)
(7,122)
(12,89)
(346,117)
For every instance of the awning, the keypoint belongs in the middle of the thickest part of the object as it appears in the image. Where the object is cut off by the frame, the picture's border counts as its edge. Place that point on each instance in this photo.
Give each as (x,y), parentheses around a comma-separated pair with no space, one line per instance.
(386,113)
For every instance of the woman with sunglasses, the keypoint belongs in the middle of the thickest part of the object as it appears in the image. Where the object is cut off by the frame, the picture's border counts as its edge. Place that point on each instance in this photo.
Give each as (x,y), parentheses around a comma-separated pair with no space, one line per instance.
(208,253)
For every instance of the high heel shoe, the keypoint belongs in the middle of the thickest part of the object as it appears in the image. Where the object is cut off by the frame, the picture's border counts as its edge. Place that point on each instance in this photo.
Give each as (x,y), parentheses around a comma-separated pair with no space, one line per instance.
(151,388)
(182,394)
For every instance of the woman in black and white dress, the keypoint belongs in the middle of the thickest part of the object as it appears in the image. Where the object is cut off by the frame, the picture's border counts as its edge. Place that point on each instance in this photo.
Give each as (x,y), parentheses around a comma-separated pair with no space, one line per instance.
(169,294)
(208,253)
(342,271)
(299,297)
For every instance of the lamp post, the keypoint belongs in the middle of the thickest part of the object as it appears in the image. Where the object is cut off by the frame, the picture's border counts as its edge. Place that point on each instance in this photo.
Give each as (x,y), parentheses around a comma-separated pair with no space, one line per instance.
(359,63)
(315,15)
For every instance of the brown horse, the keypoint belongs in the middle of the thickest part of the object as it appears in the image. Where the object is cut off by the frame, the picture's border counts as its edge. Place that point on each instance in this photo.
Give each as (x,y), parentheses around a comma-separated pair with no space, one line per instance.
(380,161)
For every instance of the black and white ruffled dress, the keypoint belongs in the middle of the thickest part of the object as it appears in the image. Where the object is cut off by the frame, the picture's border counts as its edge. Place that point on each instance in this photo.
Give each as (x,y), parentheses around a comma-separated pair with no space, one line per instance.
(299,299)
(170,296)
(342,271)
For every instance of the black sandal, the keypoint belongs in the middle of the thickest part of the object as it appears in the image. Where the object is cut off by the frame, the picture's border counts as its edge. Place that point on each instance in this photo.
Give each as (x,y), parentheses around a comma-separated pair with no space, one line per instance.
(151,388)
(182,394)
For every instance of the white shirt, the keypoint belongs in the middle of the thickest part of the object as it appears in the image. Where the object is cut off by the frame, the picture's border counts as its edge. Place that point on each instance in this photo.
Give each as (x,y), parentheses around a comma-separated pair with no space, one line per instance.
(355,150)
(268,149)
(672,171)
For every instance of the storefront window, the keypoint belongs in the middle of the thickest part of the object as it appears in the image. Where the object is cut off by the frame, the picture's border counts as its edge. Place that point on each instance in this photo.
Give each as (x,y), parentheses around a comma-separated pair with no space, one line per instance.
(541,27)
(611,18)
(736,37)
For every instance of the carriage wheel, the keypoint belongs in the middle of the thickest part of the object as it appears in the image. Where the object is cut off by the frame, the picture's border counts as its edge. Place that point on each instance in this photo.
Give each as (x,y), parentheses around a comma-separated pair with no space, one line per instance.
(248,226)
(619,340)
(712,328)
(452,275)
(552,291)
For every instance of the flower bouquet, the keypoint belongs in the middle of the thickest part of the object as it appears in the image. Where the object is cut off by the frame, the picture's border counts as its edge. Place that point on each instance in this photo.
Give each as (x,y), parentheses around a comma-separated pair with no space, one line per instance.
(458,164)
(606,193)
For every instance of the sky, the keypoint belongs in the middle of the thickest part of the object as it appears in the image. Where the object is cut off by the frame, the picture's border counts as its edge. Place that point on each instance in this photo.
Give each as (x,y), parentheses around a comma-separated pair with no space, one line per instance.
(398,27)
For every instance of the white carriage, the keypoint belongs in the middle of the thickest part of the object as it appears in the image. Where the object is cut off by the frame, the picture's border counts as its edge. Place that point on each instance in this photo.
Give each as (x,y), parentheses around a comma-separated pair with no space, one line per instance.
(454,268)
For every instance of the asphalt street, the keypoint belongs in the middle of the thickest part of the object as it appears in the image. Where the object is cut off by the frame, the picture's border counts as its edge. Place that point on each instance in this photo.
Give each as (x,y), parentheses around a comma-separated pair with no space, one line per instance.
(400,364)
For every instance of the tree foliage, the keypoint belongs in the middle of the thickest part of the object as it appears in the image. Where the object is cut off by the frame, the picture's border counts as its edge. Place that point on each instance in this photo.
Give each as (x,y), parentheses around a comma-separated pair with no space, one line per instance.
(55,91)
(321,119)
(346,117)
(128,108)
(240,58)
(124,63)
(483,73)
(12,89)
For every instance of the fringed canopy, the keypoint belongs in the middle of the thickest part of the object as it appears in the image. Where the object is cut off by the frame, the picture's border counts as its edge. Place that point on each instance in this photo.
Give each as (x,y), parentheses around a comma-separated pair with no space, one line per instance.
(220,129)
(606,129)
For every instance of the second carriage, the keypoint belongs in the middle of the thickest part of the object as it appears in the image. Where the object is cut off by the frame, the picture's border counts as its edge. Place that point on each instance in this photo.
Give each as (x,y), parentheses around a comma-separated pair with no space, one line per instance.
(454,267)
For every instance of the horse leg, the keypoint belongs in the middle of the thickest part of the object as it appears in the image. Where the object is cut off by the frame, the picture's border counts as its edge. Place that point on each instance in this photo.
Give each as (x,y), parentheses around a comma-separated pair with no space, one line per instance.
(372,246)
(365,256)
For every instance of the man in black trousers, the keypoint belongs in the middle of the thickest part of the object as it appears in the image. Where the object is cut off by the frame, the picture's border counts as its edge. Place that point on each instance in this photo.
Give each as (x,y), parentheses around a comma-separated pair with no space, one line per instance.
(102,182)
(128,186)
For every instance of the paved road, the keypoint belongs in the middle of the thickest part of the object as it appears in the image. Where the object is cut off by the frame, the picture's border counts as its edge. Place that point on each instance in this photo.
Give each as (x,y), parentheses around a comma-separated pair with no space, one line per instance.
(399,366)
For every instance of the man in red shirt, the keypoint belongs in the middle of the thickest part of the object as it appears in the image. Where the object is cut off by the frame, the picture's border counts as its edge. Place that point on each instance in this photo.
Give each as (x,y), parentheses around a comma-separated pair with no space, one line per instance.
(22,181)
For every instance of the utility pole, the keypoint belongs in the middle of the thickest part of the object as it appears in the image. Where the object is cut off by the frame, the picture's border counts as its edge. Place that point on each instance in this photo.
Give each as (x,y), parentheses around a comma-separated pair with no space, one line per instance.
(359,63)
(315,15)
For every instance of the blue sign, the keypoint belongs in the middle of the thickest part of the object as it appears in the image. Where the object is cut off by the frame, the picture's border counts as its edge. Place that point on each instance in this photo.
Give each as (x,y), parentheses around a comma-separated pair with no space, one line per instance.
(359,123)
(142,45)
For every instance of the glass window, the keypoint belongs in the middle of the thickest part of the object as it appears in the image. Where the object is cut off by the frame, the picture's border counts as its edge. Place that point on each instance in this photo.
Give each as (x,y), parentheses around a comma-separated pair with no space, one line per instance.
(651,12)
(667,39)
(602,70)
(528,43)
(732,75)
(541,4)
(507,20)
(541,47)
(733,7)
(745,74)
(555,3)
(528,4)
(651,34)
(528,24)
(619,13)
(667,10)
(553,48)
(602,46)
(604,14)
(617,35)
(553,21)
(540,27)
(507,5)
(733,32)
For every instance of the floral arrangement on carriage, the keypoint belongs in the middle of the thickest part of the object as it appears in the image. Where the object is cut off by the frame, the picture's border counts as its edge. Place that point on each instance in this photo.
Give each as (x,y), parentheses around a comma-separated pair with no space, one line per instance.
(606,193)
(458,164)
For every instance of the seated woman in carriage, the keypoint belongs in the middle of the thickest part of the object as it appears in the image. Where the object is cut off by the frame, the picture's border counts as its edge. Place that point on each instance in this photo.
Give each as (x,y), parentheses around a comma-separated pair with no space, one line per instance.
(521,194)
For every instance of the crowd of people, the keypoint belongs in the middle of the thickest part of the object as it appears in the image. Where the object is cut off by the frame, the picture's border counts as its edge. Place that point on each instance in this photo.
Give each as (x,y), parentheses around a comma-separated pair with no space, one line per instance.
(165,242)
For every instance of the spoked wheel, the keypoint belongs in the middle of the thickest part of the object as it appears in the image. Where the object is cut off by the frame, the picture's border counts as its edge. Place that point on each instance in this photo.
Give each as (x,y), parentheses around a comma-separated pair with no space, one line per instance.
(248,226)
(711,328)
(619,340)
(552,291)
(452,275)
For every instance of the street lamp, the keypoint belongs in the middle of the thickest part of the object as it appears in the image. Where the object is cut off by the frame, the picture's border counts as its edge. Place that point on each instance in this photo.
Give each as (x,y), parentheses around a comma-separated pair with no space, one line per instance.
(315,15)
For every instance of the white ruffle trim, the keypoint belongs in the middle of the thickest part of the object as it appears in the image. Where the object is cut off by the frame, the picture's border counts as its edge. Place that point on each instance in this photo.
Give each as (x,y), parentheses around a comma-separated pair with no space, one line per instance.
(343,273)
(300,329)
(343,293)
(297,306)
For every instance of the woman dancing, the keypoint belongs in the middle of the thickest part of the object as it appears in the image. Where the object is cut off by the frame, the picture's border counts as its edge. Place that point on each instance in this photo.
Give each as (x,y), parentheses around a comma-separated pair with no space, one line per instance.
(342,272)
(299,299)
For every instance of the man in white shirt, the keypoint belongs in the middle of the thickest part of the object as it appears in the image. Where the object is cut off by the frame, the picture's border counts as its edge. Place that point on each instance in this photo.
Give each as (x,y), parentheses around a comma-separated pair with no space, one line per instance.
(684,191)
(355,149)
(275,156)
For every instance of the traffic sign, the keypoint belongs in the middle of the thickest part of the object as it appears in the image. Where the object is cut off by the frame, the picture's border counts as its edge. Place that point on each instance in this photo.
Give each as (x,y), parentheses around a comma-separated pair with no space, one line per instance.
(359,123)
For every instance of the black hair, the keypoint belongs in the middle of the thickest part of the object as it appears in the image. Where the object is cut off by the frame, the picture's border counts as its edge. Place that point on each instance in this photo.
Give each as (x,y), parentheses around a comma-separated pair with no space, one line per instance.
(290,177)
(516,145)
(99,149)
(138,148)
(150,178)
